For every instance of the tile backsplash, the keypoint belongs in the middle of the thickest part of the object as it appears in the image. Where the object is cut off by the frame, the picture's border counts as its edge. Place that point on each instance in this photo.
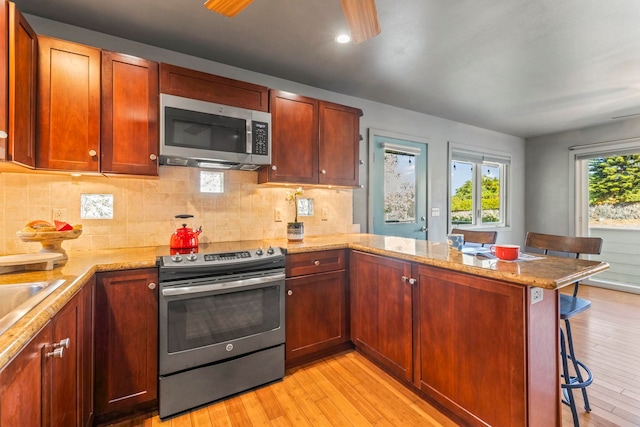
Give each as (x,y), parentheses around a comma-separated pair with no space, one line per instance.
(143,209)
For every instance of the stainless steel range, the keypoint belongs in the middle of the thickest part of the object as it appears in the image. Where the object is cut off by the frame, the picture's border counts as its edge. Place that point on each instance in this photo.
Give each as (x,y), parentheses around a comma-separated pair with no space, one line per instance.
(221,325)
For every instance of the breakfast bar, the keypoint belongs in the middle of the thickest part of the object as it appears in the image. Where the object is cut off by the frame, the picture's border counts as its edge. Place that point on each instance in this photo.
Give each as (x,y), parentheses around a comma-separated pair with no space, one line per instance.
(475,336)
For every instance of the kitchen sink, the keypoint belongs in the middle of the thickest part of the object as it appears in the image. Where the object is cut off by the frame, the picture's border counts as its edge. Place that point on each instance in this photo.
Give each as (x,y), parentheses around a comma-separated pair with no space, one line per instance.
(17,300)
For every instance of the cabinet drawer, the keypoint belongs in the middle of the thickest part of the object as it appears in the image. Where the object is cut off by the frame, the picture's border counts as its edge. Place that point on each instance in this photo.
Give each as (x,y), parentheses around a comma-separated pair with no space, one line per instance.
(315,262)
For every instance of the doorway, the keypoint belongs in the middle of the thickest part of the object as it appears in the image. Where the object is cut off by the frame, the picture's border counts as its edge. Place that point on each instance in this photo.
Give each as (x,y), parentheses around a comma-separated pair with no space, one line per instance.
(398,185)
(607,202)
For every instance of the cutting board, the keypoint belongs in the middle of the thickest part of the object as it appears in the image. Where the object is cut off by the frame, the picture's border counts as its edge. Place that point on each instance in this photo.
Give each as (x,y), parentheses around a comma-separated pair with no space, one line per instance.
(39,261)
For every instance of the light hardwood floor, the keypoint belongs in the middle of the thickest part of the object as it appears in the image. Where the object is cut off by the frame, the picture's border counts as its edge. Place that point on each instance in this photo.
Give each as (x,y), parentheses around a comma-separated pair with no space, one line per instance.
(348,390)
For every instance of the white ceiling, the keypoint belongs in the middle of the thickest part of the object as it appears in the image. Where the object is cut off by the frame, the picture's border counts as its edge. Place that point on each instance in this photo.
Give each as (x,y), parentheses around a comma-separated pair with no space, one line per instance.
(522,67)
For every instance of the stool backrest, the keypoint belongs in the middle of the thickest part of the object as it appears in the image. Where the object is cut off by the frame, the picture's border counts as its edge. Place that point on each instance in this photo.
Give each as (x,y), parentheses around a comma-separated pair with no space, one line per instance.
(480,237)
(564,245)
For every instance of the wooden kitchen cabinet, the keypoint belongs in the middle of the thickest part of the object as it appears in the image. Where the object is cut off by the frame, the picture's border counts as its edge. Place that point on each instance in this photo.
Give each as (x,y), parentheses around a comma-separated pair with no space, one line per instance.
(130,104)
(4,78)
(194,84)
(126,342)
(23,387)
(313,142)
(45,383)
(18,42)
(316,305)
(68,99)
(381,311)
(462,320)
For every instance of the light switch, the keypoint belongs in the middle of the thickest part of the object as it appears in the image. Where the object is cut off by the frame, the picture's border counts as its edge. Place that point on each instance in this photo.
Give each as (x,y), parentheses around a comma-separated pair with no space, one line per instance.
(435,211)
(277,215)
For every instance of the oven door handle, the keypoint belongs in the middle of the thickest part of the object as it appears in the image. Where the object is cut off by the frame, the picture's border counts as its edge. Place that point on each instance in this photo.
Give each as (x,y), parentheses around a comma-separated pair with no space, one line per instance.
(185,290)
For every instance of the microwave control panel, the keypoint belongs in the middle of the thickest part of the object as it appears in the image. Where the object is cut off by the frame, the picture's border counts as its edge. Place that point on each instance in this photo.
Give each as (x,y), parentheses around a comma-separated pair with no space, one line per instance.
(260,143)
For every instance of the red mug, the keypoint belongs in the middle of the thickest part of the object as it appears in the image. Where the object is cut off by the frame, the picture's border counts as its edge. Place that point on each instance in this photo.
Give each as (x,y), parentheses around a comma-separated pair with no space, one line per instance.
(505,252)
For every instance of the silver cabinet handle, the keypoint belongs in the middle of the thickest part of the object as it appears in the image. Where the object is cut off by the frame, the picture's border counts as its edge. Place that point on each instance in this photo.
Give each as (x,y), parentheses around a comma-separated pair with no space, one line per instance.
(57,353)
(92,153)
(324,171)
(289,292)
(152,285)
(405,278)
(274,167)
(3,134)
(412,281)
(316,263)
(153,156)
(65,343)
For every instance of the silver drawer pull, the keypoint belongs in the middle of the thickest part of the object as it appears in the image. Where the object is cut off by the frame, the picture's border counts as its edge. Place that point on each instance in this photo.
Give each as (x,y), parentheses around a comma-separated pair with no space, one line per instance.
(65,343)
(289,292)
(316,263)
(57,353)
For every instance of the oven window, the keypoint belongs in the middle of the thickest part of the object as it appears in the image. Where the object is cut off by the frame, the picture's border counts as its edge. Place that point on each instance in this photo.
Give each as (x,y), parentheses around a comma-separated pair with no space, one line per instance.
(212,319)
(204,131)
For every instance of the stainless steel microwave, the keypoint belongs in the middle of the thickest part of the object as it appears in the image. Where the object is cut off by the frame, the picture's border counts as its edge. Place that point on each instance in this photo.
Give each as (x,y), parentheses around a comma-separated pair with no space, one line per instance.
(207,135)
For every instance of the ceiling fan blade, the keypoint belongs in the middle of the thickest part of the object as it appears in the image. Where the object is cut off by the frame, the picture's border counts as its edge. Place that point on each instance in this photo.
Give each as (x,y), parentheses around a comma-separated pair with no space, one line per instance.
(362,19)
(227,7)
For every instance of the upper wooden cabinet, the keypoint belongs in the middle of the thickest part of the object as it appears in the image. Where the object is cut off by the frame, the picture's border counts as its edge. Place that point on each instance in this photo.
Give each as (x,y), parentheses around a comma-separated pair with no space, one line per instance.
(68,121)
(18,85)
(194,84)
(314,142)
(129,140)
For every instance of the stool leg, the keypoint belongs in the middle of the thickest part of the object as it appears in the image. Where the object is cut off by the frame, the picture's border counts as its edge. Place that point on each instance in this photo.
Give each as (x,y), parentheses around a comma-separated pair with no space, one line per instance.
(567,391)
(575,364)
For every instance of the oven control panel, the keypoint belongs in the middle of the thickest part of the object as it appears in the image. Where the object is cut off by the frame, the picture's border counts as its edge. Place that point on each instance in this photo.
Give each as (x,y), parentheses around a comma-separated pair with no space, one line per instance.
(219,258)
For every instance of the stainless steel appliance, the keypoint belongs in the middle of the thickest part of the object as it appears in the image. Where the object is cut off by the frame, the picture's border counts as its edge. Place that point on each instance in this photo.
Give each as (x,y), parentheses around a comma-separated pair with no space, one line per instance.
(221,325)
(207,135)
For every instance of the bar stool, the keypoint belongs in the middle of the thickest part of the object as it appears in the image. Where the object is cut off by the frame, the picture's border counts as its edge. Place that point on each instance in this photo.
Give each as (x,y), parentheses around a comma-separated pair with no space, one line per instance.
(570,305)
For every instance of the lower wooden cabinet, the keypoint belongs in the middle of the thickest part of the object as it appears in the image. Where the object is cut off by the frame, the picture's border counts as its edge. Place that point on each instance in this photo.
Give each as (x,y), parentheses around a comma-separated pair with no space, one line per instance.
(381,311)
(316,305)
(45,384)
(126,342)
(471,341)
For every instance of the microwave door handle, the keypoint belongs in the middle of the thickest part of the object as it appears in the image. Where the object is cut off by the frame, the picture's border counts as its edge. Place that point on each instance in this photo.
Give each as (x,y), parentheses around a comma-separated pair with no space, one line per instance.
(249,145)
(187,290)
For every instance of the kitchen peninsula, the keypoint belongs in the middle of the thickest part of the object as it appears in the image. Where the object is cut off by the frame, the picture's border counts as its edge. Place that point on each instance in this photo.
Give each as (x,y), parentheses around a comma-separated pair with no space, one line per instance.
(460,329)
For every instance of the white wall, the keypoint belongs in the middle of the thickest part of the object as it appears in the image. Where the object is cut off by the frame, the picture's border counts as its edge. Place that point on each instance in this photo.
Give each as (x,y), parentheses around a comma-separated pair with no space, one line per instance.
(549,201)
(375,115)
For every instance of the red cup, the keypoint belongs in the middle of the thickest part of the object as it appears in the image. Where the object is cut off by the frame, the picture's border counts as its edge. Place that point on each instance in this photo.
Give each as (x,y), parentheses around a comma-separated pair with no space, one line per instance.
(505,252)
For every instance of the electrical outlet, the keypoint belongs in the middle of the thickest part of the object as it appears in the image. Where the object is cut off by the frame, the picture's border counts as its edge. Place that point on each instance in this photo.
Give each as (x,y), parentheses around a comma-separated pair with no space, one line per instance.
(536,295)
(277,215)
(59,214)
(324,214)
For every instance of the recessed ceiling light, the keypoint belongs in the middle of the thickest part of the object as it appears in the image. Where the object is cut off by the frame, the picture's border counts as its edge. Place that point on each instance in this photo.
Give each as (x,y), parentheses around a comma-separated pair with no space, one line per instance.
(343,38)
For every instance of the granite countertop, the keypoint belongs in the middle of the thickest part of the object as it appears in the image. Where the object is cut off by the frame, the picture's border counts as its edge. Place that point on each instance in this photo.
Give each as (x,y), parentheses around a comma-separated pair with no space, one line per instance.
(545,272)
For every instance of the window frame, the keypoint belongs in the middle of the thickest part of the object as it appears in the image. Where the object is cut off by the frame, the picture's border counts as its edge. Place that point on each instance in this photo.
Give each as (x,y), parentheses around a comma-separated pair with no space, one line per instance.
(478,158)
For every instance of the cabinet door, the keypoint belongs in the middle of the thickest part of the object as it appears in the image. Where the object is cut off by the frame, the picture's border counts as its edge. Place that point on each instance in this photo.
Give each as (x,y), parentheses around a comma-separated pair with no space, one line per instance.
(66,373)
(381,311)
(463,320)
(129,140)
(294,122)
(23,384)
(68,121)
(23,49)
(339,144)
(4,78)
(316,314)
(194,84)
(126,341)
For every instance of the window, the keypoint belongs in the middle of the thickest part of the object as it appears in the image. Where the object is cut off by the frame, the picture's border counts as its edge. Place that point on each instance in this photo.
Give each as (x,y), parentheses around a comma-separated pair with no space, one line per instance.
(478,189)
